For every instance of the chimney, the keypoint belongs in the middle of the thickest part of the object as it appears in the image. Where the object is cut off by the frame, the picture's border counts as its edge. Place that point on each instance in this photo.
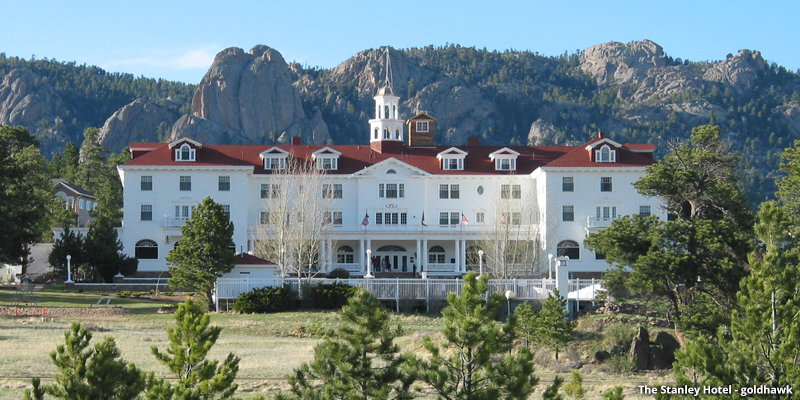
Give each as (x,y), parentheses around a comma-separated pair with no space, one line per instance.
(601,135)
(473,141)
(297,140)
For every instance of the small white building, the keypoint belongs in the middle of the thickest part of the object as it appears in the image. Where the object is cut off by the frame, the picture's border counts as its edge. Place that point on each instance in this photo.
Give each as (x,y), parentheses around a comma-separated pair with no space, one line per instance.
(415,207)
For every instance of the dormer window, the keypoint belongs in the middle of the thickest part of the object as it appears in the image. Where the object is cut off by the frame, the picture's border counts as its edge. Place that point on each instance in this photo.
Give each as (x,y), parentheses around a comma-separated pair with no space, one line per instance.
(423,126)
(274,158)
(504,159)
(185,153)
(605,154)
(327,159)
(452,158)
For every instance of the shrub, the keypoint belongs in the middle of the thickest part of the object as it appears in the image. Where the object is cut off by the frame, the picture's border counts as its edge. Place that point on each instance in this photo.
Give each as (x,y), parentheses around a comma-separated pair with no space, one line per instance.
(266,300)
(328,296)
(339,273)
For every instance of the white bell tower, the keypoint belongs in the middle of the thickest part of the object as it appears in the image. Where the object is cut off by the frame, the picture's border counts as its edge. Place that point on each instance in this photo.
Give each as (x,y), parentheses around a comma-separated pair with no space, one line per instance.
(386,129)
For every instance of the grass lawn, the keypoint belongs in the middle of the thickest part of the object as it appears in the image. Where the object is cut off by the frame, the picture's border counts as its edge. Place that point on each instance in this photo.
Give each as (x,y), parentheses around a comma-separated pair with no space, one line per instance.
(269,346)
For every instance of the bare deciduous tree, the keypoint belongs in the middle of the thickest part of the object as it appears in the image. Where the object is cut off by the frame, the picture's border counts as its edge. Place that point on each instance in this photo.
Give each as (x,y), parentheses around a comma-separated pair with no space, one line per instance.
(296,217)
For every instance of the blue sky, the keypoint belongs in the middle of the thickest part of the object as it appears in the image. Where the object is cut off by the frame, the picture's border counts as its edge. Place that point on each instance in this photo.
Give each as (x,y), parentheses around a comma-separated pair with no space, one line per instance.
(177,40)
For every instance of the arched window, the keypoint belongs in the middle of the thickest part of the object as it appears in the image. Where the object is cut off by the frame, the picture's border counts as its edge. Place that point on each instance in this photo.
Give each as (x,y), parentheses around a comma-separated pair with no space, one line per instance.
(386,133)
(386,111)
(394,111)
(146,250)
(569,248)
(436,255)
(345,255)
(391,171)
(605,154)
(397,134)
(376,133)
(185,153)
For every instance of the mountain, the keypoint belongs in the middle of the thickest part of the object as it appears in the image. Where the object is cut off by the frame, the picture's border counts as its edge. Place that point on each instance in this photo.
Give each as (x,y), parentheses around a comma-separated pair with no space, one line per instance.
(634,92)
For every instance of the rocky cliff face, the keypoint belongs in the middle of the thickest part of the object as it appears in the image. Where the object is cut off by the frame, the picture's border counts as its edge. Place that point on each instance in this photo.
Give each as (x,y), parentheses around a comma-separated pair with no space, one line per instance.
(249,98)
(26,100)
(139,121)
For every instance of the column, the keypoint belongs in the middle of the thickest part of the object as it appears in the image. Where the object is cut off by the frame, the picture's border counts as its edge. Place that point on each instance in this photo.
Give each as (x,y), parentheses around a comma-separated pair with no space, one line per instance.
(424,256)
(458,255)
(464,256)
(562,278)
(368,243)
(362,255)
(418,259)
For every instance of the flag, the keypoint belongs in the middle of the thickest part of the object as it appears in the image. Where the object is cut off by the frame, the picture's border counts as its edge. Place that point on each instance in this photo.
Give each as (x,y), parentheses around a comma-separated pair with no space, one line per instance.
(503,219)
(365,221)
(464,219)
(423,219)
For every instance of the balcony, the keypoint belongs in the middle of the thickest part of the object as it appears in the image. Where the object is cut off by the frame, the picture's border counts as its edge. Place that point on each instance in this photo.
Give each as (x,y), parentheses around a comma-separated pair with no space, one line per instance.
(173,222)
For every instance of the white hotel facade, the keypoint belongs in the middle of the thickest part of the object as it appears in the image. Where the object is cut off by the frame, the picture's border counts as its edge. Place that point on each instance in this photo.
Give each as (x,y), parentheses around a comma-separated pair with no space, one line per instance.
(561,193)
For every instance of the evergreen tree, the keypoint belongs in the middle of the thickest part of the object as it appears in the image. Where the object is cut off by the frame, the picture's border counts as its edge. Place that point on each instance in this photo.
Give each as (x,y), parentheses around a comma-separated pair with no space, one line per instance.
(92,172)
(553,326)
(526,322)
(614,394)
(191,338)
(473,362)
(204,252)
(361,362)
(699,254)
(574,388)
(26,195)
(70,244)
(103,255)
(89,374)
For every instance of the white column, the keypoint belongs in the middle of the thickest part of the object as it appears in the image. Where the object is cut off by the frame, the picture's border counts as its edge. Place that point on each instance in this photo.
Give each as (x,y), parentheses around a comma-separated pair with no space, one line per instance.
(464,256)
(562,277)
(368,243)
(424,255)
(418,259)
(362,255)
(458,255)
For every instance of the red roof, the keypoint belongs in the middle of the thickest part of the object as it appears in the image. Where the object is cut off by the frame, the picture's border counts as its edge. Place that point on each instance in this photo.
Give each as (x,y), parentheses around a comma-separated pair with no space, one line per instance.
(248,259)
(355,158)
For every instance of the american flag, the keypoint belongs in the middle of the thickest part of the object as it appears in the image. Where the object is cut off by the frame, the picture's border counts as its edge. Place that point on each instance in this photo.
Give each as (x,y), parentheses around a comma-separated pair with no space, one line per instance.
(423,219)
(464,219)
(365,221)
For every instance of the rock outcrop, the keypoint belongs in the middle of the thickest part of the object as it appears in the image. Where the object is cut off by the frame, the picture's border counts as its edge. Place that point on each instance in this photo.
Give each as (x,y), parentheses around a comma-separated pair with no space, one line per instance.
(140,121)
(622,62)
(26,100)
(249,98)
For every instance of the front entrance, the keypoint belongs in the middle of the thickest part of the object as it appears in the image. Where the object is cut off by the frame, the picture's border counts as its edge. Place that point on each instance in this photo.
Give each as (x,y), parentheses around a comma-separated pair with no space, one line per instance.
(393,259)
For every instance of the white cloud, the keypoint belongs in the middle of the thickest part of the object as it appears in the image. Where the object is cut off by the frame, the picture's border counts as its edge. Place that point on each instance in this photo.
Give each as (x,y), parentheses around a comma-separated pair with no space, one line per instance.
(162,62)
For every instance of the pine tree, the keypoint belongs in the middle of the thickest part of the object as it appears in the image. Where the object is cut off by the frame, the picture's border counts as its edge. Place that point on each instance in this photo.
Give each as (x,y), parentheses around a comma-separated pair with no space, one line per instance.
(102,252)
(526,322)
(553,326)
(361,362)
(191,338)
(474,362)
(574,388)
(204,252)
(70,244)
(90,374)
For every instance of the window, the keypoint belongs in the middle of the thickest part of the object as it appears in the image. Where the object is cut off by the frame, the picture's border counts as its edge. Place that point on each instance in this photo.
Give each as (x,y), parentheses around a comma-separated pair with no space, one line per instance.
(510,191)
(147,182)
(391,190)
(332,191)
(606,213)
(568,213)
(328,163)
(146,250)
(599,256)
(436,255)
(605,184)
(345,255)
(516,218)
(186,183)
(81,203)
(333,217)
(569,248)
(183,212)
(423,126)
(480,217)
(644,211)
(275,163)
(185,153)
(449,218)
(266,218)
(605,154)
(505,164)
(391,218)
(270,191)
(449,191)
(224,183)
(146,213)
(453,164)
(226,208)
(568,184)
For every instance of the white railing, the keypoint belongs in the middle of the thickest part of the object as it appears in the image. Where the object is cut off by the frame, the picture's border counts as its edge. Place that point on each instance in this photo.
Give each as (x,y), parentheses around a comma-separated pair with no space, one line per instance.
(419,289)
(595,222)
(173,222)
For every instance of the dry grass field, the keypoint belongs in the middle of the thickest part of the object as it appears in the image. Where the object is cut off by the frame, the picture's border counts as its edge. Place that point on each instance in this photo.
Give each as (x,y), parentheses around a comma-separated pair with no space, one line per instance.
(269,346)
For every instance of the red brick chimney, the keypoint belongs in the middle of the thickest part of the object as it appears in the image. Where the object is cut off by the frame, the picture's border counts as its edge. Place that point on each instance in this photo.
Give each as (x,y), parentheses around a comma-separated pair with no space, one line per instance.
(297,140)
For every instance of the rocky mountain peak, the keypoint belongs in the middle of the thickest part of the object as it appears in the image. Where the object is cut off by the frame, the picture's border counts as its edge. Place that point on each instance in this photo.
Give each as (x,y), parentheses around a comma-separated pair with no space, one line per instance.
(622,61)
(25,100)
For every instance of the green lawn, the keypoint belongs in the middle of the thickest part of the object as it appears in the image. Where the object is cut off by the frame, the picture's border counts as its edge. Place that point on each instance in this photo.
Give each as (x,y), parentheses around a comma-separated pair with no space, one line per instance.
(270,345)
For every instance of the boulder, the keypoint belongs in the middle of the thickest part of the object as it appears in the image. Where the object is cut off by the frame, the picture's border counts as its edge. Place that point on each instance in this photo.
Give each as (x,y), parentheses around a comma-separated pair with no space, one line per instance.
(640,350)
(601,356)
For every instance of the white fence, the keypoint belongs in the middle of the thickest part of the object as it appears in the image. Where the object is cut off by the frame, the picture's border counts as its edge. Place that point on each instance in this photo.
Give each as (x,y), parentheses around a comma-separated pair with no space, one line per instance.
(418,289)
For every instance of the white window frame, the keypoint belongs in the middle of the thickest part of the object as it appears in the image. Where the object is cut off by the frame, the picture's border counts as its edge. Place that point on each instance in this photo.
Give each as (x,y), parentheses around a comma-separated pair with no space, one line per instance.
(143,209)
(391,218)
(480,217)
(510,191)
(185,180)
(606,180)
(186,151)
(645,211)
(605,154)
(449,218)
(146,183)
(505,164)
(224,184)
(568,213)
(269,191)
(568,184)
(449,191)
(398,189)
(423,126)
(333,218)
(332,191)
